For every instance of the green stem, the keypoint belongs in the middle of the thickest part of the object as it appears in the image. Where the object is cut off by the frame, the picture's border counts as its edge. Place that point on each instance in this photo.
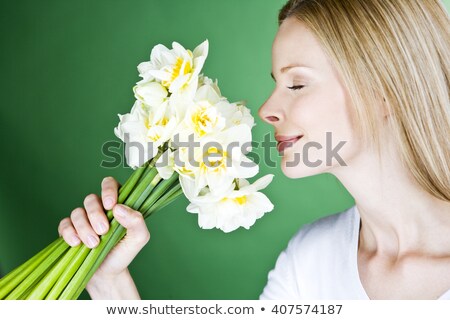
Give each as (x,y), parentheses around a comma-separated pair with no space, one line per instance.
(12,279)
(158,192)
(129,185)
(68,273)
(43,287)
(143,190)
(39,271)
(164,201)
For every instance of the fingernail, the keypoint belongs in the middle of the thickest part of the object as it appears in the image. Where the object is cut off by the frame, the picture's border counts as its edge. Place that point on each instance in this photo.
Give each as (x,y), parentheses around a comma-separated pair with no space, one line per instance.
(109,202)
(101,227)
(92,241)
(74,241)
(121,211)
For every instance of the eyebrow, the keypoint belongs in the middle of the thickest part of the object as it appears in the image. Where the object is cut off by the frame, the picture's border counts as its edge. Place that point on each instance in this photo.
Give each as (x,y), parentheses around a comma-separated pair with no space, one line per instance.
(284,69)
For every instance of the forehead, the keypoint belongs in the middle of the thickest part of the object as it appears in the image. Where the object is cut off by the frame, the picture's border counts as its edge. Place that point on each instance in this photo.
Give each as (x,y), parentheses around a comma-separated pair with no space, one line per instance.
(294,43)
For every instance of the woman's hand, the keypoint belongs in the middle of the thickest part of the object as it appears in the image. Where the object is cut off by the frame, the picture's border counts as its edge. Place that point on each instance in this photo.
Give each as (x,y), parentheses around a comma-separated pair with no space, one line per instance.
(112,279)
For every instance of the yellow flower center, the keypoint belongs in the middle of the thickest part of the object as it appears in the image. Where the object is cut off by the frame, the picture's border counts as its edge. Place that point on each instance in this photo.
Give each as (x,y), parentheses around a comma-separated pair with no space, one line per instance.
(184,170)
(216,165)
(155,137)
(163,121)
(176,69)
(201,121)
(241,200)
(153,134)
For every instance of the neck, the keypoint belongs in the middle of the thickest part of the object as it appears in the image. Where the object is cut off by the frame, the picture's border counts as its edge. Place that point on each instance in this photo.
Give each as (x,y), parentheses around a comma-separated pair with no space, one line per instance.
(398,216)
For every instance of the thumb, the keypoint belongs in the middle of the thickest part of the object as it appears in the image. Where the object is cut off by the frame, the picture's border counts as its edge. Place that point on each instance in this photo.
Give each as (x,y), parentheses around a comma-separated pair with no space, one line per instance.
(136,238)
(132,220)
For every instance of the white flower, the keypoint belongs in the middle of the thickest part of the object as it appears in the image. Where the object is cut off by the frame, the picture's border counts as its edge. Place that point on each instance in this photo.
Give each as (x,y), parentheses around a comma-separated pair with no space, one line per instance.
(177,69)
(233,209)
(201,119)
(132,130)
(144,130)
(236,113)
(161,123)
(201,116)
(151,93)
(165,164)
(206,81)
(218,159)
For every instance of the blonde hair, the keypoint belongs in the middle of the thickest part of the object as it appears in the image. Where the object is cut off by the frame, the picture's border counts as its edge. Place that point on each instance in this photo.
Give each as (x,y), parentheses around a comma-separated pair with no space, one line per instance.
(397,51)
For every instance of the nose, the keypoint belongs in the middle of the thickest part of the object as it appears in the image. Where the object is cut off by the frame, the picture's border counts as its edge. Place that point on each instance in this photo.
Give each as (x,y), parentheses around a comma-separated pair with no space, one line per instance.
(269,113)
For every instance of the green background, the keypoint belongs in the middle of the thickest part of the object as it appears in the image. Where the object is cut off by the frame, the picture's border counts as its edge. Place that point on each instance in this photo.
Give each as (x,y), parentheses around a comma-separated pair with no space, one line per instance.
(67,70)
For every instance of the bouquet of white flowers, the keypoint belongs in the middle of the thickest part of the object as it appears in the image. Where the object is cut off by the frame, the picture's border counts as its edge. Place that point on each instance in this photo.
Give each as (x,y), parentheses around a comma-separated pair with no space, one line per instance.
(181,137)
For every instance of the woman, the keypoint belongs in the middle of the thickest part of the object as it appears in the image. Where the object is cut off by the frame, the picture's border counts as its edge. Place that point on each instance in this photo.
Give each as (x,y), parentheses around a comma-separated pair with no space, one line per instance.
(374,75)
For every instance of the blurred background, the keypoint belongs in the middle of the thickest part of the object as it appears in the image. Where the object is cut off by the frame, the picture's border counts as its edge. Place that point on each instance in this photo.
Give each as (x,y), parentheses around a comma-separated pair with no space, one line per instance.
(67,70)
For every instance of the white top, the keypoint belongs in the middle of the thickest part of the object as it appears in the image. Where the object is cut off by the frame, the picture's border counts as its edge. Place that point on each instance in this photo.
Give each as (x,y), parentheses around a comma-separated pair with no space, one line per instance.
(320,262)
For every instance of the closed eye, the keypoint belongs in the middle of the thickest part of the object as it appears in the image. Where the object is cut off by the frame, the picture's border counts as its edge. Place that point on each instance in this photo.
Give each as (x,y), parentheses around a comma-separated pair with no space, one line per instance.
(295,87)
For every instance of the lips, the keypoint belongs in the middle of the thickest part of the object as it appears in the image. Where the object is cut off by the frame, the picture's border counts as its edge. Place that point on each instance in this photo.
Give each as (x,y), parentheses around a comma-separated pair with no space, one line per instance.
(284,142)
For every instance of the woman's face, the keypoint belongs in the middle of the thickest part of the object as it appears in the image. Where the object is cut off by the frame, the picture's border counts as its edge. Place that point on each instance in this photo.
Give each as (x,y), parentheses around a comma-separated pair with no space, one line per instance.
(308,101)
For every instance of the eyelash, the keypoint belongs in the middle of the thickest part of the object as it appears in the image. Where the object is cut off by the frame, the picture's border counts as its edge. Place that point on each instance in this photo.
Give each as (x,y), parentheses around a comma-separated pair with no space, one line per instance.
(295,87)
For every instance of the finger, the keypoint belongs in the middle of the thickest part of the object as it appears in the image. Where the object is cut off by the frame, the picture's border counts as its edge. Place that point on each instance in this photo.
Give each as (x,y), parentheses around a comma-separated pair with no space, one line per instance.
(84,228)
(67,231)
(110,188)
(96,214)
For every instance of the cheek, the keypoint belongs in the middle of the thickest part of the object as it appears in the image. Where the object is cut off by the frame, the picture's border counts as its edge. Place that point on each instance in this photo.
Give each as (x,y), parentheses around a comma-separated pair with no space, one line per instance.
(316,114)
(322,111)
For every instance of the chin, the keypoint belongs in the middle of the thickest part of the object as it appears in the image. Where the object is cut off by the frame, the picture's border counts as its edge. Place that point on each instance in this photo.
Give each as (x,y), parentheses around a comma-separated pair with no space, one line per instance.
(300,170)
